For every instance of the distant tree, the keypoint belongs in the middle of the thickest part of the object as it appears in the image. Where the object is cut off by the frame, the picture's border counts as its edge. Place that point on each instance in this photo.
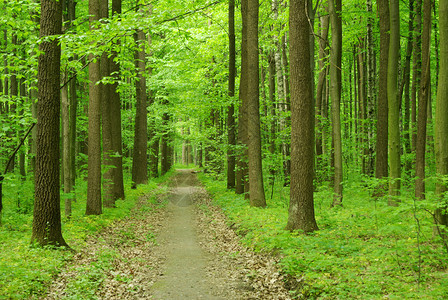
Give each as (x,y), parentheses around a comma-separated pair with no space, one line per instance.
(301,203)
(47,211)
(139,158)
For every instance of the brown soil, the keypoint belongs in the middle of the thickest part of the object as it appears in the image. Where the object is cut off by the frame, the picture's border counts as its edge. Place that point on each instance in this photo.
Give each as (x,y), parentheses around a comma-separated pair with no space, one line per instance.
(194,255)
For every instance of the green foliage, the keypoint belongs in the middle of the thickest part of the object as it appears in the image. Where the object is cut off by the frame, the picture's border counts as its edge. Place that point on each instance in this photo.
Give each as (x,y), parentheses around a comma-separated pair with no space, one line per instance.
(365,249)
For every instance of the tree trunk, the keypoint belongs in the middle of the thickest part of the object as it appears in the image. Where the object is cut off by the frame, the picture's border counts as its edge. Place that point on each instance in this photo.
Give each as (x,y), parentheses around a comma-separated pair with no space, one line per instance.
(67,174)
(423,100)
(320,93)
(405,88)
(301,203)
(381,167)
(241,174)
(441,122)
(416,72)
(392,96)
(47,212)
(335,94)
(371,85)
(139,158)
(94,203)
(231,109)
(256,187)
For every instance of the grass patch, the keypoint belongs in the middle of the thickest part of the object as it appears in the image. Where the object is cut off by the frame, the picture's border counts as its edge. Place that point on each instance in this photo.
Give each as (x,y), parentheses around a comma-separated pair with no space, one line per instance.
(364,250)
(26,270)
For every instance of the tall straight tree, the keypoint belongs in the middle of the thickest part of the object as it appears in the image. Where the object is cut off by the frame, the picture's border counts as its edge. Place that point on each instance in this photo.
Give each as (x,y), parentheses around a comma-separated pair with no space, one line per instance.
(47,211)
(139,158)
(115,111)
(241,184)
(301,203)
(393,103)
(106,121)
(381,166)
(256,187)
(231,108)
(94,202)
(335,7)
(441,123)
(423,99)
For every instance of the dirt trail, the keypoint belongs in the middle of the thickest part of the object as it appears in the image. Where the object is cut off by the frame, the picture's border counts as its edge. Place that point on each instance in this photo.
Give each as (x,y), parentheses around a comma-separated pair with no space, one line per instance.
(181,250)
(184,275)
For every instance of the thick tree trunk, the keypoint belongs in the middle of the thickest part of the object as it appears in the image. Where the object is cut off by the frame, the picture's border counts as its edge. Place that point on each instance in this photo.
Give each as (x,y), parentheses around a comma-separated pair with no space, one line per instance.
(423,100)
(301,203)
(139,158)
(335,95)
(256,186)
(94,203)
(392,96)
(47,212)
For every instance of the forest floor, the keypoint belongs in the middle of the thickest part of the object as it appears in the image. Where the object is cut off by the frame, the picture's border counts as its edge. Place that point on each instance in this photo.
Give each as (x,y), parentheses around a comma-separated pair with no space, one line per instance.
(179,248)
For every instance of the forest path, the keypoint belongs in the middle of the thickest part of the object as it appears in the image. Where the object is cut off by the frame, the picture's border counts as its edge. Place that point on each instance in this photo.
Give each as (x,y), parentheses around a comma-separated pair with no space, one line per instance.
(184,275)
(178,248)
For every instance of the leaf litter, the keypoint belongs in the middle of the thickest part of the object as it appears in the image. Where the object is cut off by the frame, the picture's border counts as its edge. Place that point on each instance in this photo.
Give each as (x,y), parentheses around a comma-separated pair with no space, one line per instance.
(129,259)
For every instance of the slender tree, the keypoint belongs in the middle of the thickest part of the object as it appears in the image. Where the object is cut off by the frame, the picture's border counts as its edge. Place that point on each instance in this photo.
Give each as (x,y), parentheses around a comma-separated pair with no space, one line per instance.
(231,108)
(115,123)
(335,7)
(47,211)
(441,120)
(423,100)
(301,203)
(241,173)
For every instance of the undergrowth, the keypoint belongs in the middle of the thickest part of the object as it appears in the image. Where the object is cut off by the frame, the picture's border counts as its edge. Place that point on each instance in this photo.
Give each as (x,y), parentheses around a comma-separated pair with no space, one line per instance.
(26,270)
(363,250)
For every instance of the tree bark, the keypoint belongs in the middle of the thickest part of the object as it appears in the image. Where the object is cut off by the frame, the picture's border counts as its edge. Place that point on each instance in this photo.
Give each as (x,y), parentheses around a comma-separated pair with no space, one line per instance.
(381,164)
(335,7)
(231,108)
(139,158)
(47,212)
(423,100)
(416,72)
(393,104)
(301,203)
(241,173)
(256,186)
(94,203)
(441,121)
